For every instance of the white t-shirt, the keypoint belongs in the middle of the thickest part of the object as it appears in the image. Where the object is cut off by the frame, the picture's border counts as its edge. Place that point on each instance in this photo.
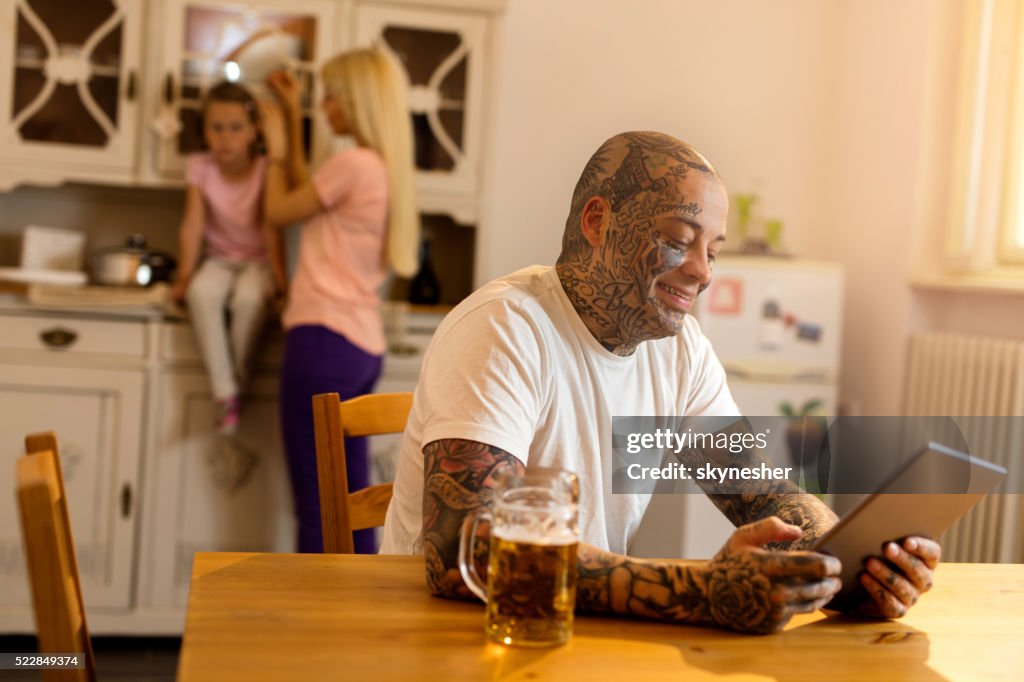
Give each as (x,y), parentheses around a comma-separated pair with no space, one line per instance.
(513,366)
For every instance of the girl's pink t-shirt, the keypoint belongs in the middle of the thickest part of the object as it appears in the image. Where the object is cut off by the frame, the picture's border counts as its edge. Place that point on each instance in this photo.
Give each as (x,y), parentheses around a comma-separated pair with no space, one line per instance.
(342,264)
(234,208)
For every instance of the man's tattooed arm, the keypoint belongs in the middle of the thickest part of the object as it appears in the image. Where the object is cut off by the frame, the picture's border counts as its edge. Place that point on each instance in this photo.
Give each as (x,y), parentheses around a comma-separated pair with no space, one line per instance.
(745,587)
(458,478)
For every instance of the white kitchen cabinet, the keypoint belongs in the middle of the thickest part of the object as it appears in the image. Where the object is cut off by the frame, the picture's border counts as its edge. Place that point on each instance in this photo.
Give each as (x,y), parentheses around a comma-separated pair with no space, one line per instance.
(211,493)
(97,414)
(444,55)
(84,98)
(149,482)
(69,86)
(408,330)
(207,41)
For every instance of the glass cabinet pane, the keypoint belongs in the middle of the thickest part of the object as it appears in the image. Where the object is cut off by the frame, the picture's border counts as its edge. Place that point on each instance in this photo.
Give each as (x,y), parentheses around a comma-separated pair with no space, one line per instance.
(453,87)
(428,152)
(61,46)
(421,51)
(244,45)
(190,139)
(69,23)
(436,64)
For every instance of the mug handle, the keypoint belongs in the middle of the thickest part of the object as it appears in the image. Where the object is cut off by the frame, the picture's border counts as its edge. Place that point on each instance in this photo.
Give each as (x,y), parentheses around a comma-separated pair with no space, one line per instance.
(467,567)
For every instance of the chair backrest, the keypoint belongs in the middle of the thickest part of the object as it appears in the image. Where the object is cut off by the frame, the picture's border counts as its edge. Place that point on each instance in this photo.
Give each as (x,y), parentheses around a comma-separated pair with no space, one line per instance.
(333,420)
(50,551)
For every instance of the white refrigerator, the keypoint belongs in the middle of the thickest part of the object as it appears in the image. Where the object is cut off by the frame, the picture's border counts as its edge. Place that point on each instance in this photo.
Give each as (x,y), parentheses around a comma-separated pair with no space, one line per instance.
(775,325)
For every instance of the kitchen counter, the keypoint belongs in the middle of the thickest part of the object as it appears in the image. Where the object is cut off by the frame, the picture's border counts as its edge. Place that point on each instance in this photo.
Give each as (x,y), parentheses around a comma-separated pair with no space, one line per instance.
(20,302)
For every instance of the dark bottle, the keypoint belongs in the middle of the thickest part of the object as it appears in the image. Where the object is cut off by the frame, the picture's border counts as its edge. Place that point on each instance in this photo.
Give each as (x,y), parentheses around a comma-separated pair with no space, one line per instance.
(424,288)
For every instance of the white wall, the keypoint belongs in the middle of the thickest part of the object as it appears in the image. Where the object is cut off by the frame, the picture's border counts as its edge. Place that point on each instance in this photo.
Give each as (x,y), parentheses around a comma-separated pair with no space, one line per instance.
(740,79)
(870,180)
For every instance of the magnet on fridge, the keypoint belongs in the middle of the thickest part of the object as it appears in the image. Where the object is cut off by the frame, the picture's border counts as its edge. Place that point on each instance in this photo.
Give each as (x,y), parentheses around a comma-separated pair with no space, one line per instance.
(771,328)
(726,296)
(808,332)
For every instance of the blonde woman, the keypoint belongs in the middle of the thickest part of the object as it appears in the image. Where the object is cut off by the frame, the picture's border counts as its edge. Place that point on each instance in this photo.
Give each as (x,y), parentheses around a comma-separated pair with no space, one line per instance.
(359,218)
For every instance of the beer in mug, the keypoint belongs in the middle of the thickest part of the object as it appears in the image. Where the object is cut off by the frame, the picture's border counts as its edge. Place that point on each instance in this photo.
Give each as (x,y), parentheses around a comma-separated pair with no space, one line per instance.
(531,573)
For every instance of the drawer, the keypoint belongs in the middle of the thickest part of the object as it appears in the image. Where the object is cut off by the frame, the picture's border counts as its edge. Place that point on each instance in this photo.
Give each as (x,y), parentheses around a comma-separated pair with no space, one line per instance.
(406,351)
(178,344)
(73,335)
(408,332)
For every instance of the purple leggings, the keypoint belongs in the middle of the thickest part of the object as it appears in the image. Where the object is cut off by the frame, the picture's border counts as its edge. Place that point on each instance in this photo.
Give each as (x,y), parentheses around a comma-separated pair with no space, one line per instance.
(317,360)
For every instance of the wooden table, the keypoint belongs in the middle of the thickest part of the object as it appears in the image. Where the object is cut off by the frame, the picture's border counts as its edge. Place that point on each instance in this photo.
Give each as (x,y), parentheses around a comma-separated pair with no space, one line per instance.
(334,617)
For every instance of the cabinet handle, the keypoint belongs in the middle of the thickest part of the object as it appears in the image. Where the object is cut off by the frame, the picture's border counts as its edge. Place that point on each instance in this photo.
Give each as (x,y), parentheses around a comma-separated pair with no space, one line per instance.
(403,349)
(168,89)
(126,500)
(129,90)
(58,337)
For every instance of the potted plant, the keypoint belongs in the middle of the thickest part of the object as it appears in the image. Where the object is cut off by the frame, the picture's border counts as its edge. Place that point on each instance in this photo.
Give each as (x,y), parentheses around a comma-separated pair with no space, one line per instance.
(806,436)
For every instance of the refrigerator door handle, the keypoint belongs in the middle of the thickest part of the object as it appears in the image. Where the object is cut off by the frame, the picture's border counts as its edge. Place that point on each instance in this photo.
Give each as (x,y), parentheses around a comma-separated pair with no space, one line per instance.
(807,375)
(813,376)
(736,372)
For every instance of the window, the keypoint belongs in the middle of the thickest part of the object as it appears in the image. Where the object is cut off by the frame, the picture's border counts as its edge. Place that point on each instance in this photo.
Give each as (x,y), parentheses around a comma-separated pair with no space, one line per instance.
(986,229)
(1011,243)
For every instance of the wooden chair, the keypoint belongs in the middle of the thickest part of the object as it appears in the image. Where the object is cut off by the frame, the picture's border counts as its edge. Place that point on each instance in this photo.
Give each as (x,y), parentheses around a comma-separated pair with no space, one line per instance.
(52,566)
(342,513)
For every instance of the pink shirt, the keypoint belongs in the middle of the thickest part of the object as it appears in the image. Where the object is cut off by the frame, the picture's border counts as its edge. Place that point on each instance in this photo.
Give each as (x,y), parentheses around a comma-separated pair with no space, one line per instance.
(341,264)
(234,208)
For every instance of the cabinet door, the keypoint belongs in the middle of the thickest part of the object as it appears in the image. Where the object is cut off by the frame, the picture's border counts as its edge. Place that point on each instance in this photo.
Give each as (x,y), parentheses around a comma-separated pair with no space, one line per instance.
(443,56)
(209,41)
(210,493)
(97,415)
(409,335)
(68,81)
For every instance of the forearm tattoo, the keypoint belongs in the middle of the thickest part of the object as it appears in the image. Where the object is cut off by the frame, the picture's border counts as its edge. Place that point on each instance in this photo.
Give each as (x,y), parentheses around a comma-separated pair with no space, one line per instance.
(612,583)
(758,499)
(797,508)
(459,478)
(734,590)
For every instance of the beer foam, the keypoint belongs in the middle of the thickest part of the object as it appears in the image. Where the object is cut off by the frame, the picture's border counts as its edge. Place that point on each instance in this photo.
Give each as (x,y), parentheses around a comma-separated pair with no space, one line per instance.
(547,537)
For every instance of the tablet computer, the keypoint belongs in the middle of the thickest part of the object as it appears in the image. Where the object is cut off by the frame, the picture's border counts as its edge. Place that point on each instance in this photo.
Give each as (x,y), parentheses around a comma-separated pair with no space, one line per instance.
(924,496)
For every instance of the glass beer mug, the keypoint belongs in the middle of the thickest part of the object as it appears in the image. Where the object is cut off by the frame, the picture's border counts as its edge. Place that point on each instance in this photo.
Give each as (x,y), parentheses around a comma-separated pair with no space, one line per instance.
(531,575)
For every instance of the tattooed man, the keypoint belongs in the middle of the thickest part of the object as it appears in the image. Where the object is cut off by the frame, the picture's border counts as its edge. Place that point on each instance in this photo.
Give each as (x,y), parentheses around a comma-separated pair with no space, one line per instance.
(530,369)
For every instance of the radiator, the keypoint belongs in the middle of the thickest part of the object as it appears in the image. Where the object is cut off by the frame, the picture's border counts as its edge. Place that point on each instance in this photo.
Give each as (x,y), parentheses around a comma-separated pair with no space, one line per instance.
(953,375)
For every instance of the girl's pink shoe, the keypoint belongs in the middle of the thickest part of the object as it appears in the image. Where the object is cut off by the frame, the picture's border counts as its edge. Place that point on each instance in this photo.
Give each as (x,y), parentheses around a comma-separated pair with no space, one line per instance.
(227,420)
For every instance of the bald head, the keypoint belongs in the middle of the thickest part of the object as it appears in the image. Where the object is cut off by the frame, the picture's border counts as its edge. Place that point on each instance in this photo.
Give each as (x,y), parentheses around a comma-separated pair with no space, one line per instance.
(647,222)
(632,169)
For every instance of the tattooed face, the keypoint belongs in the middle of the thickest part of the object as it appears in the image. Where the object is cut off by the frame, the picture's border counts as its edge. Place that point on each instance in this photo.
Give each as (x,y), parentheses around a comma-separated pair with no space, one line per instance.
(662,246)
(647,238)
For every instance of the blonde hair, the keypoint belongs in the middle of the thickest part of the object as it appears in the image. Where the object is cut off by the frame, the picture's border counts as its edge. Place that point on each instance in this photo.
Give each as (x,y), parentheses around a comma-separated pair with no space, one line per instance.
(370,90)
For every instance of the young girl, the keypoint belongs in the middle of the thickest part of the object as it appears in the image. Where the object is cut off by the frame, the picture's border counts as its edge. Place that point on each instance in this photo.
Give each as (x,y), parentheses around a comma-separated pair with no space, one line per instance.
(223,208)
(359,216)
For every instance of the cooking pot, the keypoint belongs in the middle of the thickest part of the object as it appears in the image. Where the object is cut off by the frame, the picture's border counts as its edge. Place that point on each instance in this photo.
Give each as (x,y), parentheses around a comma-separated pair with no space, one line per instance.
(131,265)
